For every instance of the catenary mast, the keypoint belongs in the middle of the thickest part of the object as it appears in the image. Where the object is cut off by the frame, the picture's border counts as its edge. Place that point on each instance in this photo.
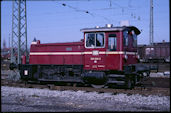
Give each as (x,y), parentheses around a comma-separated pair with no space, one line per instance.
(151,22)
(19,31)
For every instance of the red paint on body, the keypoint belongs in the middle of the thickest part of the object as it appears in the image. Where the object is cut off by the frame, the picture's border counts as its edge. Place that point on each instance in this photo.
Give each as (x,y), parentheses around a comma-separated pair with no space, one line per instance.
(75,53)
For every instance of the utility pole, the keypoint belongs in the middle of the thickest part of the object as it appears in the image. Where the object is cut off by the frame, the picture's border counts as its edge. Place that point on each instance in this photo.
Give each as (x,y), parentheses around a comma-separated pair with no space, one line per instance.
(151,22)
(19,31)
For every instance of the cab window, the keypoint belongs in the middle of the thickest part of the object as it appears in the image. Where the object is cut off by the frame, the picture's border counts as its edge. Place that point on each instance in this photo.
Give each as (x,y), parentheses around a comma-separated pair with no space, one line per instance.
(99,40)
(90,39)
(125,38)
(134,39)
(112,42)
(94,40)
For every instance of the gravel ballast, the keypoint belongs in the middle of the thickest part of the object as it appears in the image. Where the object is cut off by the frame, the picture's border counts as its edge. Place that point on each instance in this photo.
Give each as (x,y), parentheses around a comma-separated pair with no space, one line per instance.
(44,100)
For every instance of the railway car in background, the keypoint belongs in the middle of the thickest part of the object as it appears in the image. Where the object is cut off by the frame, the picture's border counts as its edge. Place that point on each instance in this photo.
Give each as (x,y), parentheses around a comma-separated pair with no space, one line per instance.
(158,52)
(106,56)
(5,53)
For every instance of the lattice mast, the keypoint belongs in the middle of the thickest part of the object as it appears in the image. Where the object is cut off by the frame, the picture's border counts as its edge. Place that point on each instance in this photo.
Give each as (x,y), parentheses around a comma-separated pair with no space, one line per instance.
(19,31)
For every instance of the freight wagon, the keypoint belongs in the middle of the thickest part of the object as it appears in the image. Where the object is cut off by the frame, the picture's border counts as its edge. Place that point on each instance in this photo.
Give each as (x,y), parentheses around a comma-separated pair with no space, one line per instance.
(106,56)
(158,52)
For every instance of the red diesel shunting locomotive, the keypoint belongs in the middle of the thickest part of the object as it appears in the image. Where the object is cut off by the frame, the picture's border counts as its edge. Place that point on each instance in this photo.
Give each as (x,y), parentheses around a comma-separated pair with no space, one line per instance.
(107,55)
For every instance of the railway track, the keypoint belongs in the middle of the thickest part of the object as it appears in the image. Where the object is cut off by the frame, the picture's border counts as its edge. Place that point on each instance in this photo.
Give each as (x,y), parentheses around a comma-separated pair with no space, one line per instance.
(158,67)
(154,86)
(137,90)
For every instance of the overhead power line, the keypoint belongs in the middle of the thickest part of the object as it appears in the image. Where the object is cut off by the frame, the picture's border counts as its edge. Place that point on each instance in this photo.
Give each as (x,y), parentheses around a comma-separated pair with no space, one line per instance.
(86,11)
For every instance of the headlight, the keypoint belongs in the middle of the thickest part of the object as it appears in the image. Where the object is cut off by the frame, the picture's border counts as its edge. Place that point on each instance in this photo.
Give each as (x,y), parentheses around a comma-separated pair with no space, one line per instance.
(126,57)
(25,72)
(138,56)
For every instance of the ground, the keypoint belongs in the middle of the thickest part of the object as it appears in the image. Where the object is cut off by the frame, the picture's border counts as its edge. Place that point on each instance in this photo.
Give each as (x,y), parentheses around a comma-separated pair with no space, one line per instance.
(44,100)
(15,99)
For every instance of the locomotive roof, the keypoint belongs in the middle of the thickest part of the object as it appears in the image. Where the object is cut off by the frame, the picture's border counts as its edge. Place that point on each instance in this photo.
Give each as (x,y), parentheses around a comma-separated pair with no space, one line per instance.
(119,28)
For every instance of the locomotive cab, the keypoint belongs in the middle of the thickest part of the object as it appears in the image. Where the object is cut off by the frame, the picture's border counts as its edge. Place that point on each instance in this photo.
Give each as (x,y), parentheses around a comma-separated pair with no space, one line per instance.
(110,48)
(113,52)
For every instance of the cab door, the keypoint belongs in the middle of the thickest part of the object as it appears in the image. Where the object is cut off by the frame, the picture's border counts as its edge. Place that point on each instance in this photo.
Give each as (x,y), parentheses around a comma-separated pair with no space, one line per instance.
(113,53)
(94,55)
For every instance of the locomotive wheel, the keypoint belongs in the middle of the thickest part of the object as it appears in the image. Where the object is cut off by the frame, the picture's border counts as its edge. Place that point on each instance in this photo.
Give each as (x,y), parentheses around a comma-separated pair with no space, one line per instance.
(97,86)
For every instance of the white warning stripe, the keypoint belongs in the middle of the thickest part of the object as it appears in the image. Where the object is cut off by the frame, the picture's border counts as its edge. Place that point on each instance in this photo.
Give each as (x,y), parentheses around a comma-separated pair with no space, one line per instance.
(80,53)
(87,53)
(115,52)
(56,53)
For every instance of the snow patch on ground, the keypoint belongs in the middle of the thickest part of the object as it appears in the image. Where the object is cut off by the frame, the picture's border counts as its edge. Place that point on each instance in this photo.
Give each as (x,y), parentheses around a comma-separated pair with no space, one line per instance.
(165,74)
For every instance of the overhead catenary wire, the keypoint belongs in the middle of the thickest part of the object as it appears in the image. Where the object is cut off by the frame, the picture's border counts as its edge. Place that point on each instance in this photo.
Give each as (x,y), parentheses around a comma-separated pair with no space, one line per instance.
(86,11)
(130,7)
(99,14)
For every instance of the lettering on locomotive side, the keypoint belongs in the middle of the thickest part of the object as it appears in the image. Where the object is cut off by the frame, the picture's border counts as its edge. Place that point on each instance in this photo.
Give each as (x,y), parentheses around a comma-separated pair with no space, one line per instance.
(101,65)
(96,66)
(95,58)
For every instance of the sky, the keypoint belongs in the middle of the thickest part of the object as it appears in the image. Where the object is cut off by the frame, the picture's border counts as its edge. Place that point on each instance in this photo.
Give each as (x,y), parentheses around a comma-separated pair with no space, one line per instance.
(50,21)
